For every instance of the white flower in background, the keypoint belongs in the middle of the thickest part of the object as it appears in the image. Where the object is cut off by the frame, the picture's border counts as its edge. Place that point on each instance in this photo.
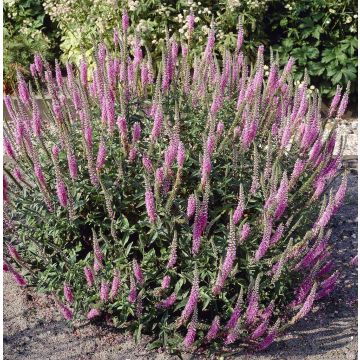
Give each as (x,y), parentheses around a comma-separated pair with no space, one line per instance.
(332,11)
(267,73)
(312,87)
(133,5)
(204,29)
(266,67)
(348,20)
(197,19)
(232,4)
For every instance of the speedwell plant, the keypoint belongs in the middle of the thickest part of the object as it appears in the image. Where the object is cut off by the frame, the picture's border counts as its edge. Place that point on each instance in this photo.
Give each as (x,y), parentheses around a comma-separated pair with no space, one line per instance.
(187,200)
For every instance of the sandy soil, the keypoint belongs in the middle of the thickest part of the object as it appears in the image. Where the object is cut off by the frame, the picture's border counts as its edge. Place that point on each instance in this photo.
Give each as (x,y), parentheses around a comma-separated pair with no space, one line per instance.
(34,330)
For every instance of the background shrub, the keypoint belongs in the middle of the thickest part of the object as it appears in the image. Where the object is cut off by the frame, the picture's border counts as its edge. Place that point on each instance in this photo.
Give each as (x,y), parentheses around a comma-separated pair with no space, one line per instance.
(27,31)
(186,200)
(322,35)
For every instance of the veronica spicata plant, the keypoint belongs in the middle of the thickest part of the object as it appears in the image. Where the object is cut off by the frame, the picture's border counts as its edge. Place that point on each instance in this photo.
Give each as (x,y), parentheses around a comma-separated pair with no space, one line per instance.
(188,200)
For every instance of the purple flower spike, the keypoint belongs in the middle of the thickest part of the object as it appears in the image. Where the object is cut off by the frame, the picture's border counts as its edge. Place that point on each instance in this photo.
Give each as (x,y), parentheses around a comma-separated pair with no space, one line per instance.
(180,157)
(344,102)
(269,339)
(158,119)
(67,312)
(231,337)
(62,193)
(133,293)
(147,163)
(193,299)
(265,242)
(165,282)
(89,276)
(138,272)
(93,313)
(168,302)
(190,336)
(245,232)
(136,134)
(101,157)
(125,21)
(173,253)
(214,329)
(8,148)
(68,294)
(260,330)
(38,63)
(150,205)
(19,279)
(191,206)
(72,166)
(238,213)
(104,291)
(305,309)
(13,252)
(335,101)
(190,22)
(115,285)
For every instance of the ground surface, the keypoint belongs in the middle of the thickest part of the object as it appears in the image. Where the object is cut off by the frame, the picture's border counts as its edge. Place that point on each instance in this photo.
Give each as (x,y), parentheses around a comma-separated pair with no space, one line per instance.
(34,330)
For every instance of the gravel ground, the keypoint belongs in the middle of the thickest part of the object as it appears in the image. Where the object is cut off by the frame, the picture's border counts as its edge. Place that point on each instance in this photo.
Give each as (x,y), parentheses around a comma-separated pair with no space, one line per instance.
(34,330)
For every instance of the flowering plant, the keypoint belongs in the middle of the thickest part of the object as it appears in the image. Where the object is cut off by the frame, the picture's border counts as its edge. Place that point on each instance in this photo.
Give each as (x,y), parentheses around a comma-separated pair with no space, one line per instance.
(185,199)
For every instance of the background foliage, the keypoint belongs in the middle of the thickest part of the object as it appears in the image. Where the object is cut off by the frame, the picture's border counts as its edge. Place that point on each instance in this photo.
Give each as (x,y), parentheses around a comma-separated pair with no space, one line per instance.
(320,34)
(27,31)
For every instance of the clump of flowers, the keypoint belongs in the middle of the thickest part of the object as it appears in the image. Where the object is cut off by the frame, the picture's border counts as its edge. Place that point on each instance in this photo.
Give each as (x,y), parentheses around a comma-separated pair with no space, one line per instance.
(188,199)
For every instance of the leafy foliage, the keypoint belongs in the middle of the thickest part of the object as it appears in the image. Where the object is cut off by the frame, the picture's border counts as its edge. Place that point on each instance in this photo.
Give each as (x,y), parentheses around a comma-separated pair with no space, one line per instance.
(26,32)
(205,200)
(322,35)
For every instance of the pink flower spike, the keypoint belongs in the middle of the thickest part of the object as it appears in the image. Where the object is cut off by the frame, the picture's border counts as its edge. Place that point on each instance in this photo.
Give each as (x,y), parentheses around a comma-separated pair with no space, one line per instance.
(168,302)
(150,205)
(67,312)
(191,206)
(214,329)
(62,193)
(180,158)
(165,282)
(138,272)
(104,291)
(13,252)
(125,21)
(89,276)
(133,293)
(68,294)
(93,313)
(101,157)
(19,279)
(115,286)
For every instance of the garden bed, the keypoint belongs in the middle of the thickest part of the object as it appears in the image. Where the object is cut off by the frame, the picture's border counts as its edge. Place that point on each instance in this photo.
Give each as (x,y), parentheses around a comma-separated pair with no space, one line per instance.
(35,330)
